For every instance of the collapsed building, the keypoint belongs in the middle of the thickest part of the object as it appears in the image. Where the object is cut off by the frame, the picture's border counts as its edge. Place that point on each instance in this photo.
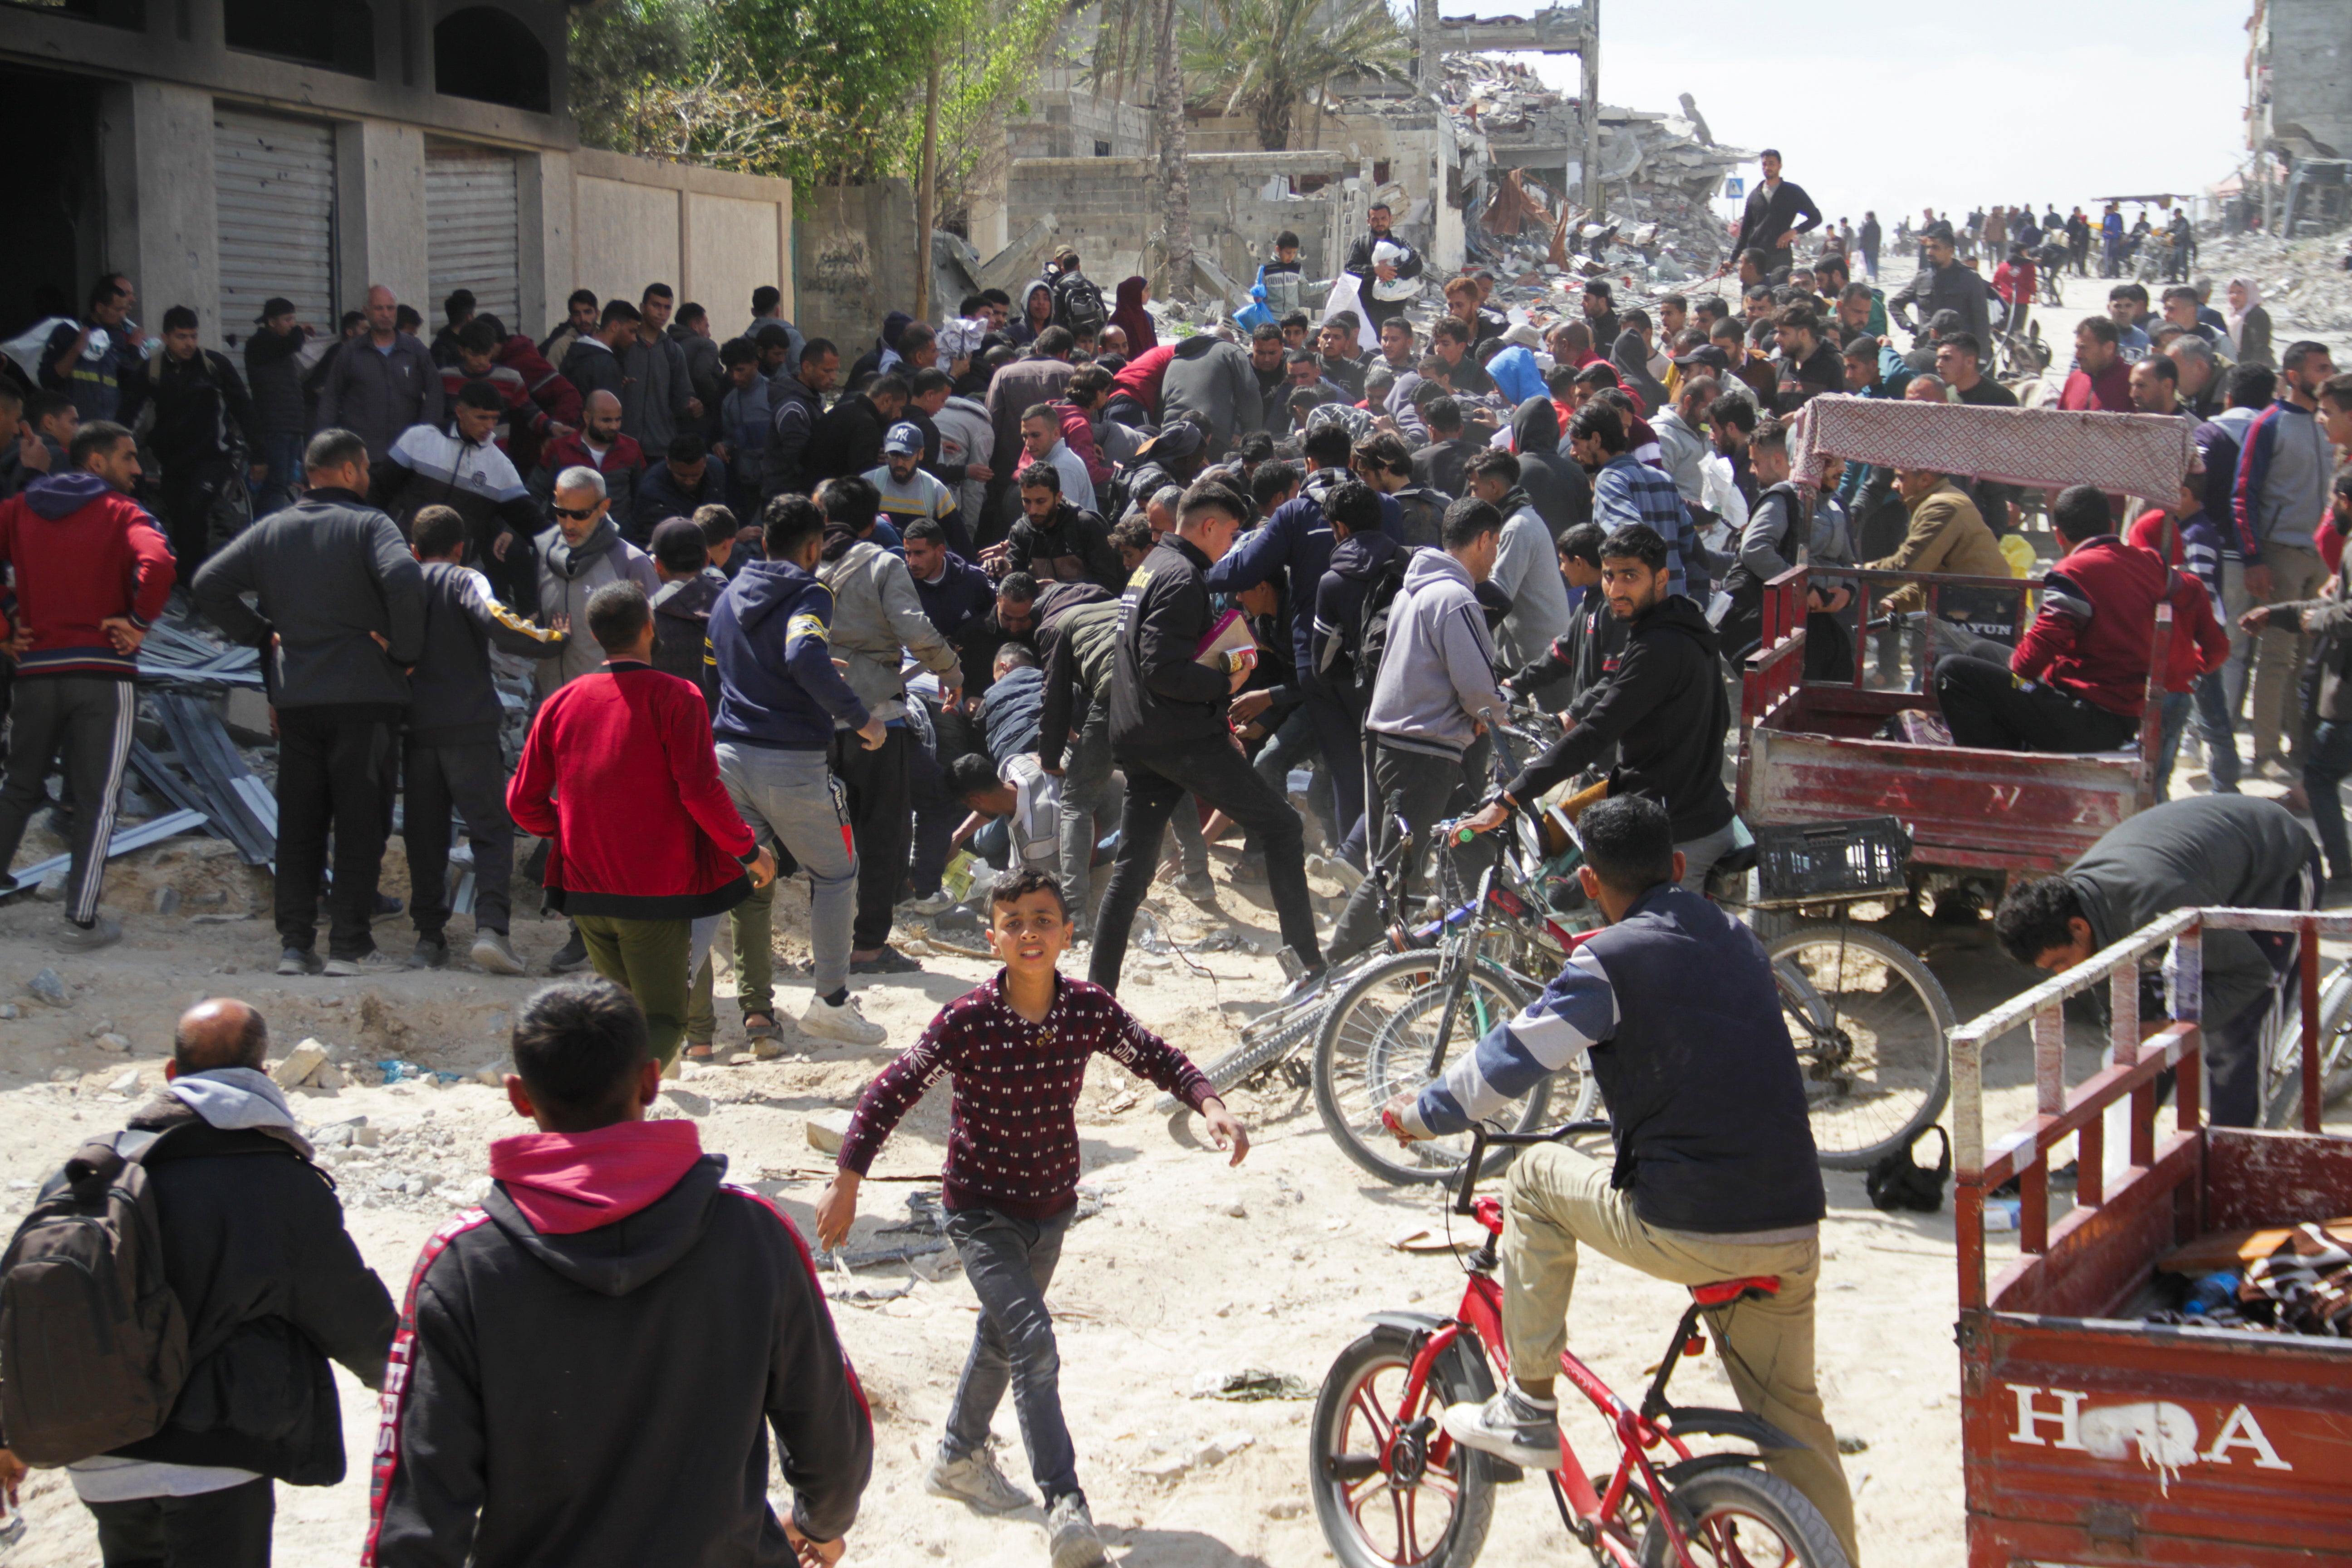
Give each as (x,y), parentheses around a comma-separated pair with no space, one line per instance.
(1483,163)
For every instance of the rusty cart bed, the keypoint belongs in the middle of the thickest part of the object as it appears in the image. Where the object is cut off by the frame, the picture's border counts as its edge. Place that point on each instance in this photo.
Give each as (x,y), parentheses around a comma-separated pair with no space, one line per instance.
(2093,1437)
(1806,752)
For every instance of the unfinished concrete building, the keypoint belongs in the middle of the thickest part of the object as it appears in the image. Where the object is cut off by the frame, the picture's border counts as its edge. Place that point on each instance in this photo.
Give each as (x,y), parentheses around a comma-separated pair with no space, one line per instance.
(2299,112)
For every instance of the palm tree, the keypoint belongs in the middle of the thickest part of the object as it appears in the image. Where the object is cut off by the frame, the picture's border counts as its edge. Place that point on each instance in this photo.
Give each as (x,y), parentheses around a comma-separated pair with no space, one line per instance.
(1273,59)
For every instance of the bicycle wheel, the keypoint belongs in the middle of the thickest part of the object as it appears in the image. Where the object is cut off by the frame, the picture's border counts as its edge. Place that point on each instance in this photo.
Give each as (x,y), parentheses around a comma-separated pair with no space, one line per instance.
(1262,1049)
(2282,1087)
(1381,1501)
(1869,1022)
(1743,1518)
(1378,1040)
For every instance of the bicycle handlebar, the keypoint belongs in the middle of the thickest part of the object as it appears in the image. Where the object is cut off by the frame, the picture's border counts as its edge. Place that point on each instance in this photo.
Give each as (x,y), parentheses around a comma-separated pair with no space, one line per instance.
(1483,1138)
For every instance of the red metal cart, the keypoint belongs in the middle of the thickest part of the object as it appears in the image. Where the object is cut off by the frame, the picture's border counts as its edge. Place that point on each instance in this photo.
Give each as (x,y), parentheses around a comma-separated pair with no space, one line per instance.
(2092,1437)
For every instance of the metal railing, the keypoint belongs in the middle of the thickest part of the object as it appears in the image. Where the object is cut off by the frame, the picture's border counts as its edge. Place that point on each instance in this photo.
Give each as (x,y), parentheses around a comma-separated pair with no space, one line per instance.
(2132,1068)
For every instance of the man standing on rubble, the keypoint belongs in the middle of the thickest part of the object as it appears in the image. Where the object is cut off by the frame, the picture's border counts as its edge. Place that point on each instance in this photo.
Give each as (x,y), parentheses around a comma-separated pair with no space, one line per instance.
(1369,269)
(1771,219)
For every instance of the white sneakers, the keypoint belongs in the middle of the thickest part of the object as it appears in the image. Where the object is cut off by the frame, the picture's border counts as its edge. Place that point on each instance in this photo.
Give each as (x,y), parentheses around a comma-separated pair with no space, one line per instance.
(844,1025)
(975,1479)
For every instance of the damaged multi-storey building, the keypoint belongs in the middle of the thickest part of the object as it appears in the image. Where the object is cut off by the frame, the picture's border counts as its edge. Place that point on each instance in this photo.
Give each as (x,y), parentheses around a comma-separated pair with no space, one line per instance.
(1481,160)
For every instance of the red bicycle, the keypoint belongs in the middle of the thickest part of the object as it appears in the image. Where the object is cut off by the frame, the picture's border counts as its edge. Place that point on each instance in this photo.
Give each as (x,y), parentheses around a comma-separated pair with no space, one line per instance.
(1393,1490)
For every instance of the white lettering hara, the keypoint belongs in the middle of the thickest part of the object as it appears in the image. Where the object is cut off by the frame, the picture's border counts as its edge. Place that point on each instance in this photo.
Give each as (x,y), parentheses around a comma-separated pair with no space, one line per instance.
(2241,1431)
(2067,1417)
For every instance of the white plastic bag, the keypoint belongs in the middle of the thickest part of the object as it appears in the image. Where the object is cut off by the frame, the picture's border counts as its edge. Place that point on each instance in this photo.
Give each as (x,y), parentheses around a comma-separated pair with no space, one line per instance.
(1343,297)
(1719,495)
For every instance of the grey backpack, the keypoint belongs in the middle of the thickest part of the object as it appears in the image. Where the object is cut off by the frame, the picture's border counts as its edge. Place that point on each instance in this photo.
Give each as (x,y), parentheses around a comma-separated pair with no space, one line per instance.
(93,1344)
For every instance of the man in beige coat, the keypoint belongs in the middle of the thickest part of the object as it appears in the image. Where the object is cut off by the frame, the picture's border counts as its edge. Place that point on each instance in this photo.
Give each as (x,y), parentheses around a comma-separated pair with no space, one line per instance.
(1949,536)
(878,620)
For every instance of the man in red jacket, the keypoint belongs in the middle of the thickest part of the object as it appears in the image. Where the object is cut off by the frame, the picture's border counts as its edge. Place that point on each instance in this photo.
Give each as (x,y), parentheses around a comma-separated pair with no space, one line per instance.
(619,774)
(92,572)
(2078,681)
(2100,379)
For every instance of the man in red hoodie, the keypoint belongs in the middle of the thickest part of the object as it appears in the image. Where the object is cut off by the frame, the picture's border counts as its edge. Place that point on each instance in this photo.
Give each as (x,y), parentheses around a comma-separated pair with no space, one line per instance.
(92,572)
(589,1365)
(619,774)
(2078,681)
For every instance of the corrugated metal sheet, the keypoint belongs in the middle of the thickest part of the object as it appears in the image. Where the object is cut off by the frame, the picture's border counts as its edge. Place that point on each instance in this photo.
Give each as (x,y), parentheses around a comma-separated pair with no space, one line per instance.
(276,184)
(471,236)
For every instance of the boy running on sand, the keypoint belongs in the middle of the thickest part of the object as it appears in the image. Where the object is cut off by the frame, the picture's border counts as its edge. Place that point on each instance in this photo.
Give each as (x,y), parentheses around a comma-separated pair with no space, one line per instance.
(1017,1047)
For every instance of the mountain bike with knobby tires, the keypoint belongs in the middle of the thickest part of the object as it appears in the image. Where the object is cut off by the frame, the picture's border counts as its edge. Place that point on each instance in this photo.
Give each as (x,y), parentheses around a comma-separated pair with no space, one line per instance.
(1393,1489)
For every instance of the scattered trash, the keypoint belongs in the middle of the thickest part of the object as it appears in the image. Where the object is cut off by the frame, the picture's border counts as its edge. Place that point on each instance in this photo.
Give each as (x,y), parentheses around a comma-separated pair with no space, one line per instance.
(397,1071)
(1250,1385)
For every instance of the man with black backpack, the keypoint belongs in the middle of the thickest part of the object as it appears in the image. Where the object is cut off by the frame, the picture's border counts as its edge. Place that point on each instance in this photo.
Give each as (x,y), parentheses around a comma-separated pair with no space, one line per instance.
(1429,666)
(228,1247)
(1077,303)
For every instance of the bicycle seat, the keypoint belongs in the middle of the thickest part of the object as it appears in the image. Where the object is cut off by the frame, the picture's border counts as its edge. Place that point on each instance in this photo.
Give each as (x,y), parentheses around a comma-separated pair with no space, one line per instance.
(1724,1292)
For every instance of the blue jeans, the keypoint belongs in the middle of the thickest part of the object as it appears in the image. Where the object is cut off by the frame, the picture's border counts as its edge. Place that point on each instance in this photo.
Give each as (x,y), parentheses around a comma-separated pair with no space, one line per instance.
(283,453)
(1010,1262)
(2217,729)
(1297,739)
(2330,760)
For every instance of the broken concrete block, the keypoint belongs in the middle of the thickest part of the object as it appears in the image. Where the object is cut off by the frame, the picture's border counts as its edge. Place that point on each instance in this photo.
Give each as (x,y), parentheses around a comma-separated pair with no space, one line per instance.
(167,901)
(1165,1469)
(826,1129)
(47,986)
(1216,1450)
(110,1041)
(301,1063)
(125,1082)
(329,1075)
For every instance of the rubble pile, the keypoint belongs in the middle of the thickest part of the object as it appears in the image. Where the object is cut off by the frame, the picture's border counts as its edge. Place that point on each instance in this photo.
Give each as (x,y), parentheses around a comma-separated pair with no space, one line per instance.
(1663,172)
(2304,282)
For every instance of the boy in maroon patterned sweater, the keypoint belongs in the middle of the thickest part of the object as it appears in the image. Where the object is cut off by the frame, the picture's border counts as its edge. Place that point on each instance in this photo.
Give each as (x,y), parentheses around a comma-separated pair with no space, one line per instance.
(1017,1047)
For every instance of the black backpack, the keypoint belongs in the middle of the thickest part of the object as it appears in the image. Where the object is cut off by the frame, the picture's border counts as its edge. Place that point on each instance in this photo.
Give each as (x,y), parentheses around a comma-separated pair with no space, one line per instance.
(1899,1182)
(1078,304)
(1425,516)
(1372,644)
(93,1342)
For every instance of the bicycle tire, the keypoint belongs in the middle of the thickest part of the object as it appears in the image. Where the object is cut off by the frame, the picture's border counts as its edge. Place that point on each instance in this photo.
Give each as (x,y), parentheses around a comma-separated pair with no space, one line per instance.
(1711,1498)
(2282,1092)
(1891,1057)
(1371,1047)
(1351,1398)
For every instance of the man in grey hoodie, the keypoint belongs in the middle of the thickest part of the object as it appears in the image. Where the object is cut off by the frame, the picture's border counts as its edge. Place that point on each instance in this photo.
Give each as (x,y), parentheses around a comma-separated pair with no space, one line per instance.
(1434,689)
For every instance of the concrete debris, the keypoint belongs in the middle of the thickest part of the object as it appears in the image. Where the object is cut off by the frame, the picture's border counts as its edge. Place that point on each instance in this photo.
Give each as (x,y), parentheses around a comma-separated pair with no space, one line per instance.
(47,986)
(2304,282)
(826,1129)
(118,1044)
(301,1065)
(125,1082)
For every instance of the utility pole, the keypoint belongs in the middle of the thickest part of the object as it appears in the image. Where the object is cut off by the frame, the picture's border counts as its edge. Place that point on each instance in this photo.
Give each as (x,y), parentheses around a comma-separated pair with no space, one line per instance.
(927,199)
(1594,196)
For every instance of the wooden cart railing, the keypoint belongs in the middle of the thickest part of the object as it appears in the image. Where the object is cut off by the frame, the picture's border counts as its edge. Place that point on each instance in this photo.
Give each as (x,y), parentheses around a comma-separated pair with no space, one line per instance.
(2092,1436)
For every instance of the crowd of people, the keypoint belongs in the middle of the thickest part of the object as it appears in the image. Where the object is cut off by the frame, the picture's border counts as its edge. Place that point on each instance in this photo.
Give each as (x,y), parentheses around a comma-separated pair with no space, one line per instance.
(1040,582)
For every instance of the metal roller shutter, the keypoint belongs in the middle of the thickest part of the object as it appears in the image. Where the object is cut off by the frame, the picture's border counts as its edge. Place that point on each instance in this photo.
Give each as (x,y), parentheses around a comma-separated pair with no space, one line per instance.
(276,181)
(470,231)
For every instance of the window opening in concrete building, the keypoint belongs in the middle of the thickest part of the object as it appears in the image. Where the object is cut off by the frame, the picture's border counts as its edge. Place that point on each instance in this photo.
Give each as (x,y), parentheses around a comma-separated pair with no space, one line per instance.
(56,206)
(337,33)
(131,14)
(482,52)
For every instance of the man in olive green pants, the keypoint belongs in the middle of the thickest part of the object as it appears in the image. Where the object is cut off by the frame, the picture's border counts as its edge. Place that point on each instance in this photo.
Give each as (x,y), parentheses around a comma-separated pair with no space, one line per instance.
(649,958)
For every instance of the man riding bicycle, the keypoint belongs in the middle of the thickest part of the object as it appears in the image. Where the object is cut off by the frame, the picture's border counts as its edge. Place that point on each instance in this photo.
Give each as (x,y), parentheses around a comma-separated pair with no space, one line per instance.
(1674,1010)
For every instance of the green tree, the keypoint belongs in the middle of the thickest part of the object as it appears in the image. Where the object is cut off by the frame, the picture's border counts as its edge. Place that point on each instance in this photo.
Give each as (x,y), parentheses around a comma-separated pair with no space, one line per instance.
(1272,60)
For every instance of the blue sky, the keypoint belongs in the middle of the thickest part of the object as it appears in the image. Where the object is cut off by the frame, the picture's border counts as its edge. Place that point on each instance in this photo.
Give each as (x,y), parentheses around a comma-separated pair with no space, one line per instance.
(1897,107)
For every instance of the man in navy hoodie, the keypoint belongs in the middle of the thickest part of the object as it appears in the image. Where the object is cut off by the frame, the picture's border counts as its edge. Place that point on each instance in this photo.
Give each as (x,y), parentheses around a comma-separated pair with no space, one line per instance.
(612,1300)
(779,694)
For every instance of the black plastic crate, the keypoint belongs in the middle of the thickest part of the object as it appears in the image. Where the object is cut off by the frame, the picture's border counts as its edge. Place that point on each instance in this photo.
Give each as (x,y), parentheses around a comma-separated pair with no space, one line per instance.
(1813,862)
